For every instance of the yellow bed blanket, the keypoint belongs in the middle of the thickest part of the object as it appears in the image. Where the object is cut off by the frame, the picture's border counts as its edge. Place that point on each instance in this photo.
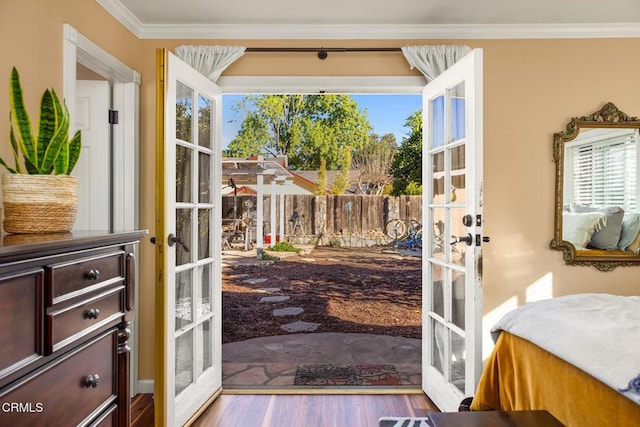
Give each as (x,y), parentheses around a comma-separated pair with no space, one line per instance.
(521,376)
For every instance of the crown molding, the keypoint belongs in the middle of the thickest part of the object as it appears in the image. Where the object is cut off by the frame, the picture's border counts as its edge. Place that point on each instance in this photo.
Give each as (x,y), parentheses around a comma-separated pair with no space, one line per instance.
(390,32)
(123,15)
(379,32)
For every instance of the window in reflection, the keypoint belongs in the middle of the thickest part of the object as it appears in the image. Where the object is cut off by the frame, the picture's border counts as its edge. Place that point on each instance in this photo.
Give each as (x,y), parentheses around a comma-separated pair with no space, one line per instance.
(600,169)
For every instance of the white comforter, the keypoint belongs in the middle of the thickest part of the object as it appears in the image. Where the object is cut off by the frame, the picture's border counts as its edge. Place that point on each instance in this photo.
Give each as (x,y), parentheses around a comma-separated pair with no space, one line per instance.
(598,333)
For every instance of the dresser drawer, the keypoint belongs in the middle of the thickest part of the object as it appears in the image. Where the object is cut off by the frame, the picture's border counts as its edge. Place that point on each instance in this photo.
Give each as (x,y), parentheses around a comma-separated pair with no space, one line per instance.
(67,280)
(74,322)
(73,390)
(108,419)
(21,320)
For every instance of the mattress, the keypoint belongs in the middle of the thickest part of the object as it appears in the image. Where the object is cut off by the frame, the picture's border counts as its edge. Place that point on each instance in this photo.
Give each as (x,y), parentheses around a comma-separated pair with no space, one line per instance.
(519,375)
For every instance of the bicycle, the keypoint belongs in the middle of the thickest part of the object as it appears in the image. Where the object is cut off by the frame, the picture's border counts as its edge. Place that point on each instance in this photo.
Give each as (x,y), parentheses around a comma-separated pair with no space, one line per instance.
(406,233)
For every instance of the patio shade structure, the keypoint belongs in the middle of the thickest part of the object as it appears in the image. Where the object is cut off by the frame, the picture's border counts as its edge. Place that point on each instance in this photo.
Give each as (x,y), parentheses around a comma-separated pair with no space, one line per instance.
(267,175)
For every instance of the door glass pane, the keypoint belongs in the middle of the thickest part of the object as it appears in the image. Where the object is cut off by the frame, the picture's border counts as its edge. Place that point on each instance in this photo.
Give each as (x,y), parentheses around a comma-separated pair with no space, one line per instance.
(438,232)
(204,220)
(184,112)
(457,360)
(204,305)
(183,174)
(458,230)
(457,112)
(437,162)
(184,299)
(437,345)
(437,295)
(437,122)
(206,332)
(458,298)
(204,121)
(184,361)
(204,178)
(183,231)
(458,190)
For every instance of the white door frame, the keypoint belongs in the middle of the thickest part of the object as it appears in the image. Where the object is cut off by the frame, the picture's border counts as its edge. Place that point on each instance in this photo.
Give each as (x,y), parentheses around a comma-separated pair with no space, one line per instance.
(78,49)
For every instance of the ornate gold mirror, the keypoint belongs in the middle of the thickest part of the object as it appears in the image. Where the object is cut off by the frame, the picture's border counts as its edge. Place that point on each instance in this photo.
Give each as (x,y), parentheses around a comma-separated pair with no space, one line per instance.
(597,215)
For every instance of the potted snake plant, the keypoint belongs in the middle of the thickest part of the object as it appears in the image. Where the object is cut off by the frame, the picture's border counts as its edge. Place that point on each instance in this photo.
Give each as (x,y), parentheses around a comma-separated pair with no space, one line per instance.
(39,194)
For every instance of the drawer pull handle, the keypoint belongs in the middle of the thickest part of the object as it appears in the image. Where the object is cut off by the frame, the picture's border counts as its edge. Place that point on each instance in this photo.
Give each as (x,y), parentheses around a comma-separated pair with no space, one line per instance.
(93,274)
(92,313)
(92,380)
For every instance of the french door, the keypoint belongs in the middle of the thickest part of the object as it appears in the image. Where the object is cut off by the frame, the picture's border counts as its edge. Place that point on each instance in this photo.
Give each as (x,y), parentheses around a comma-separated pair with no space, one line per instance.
(452,218)
(188,243)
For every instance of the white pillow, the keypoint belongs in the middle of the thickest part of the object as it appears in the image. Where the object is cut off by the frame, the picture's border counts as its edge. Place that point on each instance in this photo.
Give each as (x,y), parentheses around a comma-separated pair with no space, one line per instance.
(578,228)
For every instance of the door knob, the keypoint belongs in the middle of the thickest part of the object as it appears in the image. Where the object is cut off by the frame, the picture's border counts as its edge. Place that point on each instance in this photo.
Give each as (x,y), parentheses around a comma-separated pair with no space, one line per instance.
(468,239)
(172,240)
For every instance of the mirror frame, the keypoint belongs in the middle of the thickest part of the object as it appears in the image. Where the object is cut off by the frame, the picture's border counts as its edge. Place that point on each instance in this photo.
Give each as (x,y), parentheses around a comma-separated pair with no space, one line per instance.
(607,117)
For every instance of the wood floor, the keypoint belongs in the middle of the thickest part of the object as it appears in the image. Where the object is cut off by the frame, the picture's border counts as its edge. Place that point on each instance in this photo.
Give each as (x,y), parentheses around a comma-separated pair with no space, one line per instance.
(316,410)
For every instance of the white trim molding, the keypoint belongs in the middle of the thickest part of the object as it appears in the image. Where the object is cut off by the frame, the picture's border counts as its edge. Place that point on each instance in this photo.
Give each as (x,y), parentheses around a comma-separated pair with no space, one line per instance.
(145,386)
(360,31)
(77,49)
(389,32)
(318,84)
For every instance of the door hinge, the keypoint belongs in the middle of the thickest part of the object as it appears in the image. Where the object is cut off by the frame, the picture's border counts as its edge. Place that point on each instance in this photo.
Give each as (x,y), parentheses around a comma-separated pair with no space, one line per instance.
(113,117)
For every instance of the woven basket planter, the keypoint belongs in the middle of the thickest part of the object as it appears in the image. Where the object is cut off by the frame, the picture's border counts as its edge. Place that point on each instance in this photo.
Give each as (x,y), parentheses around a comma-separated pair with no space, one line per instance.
(39,203)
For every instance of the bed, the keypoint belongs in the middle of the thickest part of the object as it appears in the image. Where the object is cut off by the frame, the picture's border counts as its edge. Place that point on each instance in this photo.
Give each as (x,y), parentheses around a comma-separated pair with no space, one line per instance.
(577,357)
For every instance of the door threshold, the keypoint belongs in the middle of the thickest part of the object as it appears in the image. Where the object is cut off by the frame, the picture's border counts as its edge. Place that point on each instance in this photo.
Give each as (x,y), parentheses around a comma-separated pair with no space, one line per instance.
(324,390)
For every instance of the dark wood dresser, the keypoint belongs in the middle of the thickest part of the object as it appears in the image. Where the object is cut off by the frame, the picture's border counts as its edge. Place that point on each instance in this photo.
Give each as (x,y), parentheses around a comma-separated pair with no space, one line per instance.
(66,302)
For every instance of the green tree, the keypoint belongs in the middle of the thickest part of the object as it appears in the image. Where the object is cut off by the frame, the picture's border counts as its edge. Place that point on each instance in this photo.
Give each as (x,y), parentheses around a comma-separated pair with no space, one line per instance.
(407,162)
(341,183)
(372,164)
(306,128)
(321,185)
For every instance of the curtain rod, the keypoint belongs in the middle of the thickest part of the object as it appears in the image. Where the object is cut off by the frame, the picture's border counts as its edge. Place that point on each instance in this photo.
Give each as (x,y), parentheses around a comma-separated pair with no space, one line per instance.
(323,51)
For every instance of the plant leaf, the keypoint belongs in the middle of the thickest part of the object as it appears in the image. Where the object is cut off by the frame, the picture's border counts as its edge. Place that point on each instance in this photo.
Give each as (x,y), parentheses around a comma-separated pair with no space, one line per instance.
(47,124)
(21,117)
(75,146)
(16,156)
(59,139)
(2,163)
(31,169)
(61,165)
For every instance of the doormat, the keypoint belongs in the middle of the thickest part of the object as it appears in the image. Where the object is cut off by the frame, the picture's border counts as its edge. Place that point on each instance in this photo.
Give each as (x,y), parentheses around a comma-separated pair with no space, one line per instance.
(347,375)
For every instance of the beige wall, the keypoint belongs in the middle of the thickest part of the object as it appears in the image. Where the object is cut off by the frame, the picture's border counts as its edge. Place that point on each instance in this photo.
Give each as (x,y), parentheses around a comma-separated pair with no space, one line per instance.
(532,88)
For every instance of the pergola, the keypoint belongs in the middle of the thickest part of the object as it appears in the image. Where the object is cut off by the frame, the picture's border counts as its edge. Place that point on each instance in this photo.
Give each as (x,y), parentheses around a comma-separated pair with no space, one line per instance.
(268,176)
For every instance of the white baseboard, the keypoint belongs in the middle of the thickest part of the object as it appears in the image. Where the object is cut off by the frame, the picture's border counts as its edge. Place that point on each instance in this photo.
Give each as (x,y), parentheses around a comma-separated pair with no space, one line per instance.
(145,386)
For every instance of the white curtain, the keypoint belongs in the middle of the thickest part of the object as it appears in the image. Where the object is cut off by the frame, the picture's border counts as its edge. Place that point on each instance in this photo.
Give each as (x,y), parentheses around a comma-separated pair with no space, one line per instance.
(433,60)
(210,61)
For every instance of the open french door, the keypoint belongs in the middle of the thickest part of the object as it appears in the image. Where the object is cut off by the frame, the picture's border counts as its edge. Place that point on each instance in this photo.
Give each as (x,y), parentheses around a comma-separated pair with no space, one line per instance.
(452,218)
(188,239)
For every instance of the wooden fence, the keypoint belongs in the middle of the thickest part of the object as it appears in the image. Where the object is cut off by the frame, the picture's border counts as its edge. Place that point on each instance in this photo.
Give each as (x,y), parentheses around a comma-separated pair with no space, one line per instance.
(354,220)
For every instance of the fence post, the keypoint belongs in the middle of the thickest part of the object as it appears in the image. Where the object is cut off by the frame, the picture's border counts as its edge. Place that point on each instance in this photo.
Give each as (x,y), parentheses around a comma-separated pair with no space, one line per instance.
(393,208)
(320,217)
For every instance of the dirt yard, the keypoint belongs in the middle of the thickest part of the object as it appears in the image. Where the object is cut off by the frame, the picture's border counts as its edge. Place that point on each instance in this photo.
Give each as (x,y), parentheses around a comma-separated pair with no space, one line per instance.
(358,290)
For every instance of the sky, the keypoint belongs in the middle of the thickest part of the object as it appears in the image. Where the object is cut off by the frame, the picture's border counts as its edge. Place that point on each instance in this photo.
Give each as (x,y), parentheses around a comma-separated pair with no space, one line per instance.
(387,114)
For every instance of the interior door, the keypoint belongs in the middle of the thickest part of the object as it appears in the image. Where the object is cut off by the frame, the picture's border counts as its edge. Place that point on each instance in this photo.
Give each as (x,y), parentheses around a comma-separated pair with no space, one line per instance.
(94,164)
(190,225)
(452,183)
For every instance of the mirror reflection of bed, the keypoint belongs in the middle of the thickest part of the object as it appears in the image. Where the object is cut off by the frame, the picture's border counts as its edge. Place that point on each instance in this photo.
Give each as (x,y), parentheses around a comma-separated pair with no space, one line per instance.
(597,217)
(600,187)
